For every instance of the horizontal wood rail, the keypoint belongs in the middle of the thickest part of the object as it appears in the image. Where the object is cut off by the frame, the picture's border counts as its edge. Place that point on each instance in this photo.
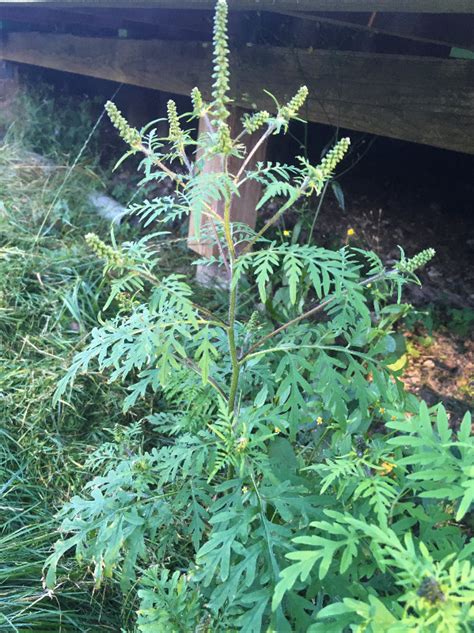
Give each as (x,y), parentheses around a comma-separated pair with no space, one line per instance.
(420,99)
(396,6)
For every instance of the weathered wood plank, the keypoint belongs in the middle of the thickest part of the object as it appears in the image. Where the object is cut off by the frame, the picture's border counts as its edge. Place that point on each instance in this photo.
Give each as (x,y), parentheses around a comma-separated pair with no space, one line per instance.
(397,6)
(103,18)
(44,16)
(451,31)
(425,100)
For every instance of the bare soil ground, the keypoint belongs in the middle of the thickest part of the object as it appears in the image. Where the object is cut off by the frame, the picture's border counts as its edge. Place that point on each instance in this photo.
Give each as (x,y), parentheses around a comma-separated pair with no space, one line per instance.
(442,371)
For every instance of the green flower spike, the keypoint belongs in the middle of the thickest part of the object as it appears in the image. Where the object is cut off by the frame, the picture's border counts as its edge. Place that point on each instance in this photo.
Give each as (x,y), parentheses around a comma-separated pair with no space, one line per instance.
(104,251)
(197,101)
(253,122)
(320,174)
(291,109)
(221,85)
(252,324)
(418,261)
(175,131)
(129,134)
(334,157)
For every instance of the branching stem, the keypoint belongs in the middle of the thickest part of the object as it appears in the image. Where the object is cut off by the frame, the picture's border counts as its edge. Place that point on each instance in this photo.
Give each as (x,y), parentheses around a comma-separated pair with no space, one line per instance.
(252,152)
(300,191)
(317,308)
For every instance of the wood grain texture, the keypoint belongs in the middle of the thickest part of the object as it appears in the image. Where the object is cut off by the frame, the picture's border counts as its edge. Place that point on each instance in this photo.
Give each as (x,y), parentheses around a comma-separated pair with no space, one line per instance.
(397,6)
(420,99)
(444,30)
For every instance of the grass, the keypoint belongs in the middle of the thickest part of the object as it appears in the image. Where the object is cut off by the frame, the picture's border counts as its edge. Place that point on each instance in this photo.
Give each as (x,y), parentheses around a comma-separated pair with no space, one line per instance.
(51,293)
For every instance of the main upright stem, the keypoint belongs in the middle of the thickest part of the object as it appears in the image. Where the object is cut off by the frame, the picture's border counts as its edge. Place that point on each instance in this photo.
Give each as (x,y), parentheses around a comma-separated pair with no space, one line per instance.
(234,382)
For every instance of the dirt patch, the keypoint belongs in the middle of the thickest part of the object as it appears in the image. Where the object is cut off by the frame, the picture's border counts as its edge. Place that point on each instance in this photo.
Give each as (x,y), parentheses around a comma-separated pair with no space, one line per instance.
(440,368)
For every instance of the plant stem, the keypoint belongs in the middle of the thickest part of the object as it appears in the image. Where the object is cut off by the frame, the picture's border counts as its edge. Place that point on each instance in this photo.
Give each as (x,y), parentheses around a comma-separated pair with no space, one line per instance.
(227,229)
(318,444)
(221,250)
(187,362)
(169,172)
(261,140)
(317,308)
(320,203)
(276,216)
(157,282)
(234,382)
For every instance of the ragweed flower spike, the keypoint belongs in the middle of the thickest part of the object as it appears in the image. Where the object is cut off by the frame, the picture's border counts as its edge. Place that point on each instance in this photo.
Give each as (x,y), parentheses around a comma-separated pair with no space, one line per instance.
(252,324)
(242,444)
(104,251)
(317,176)
(197,101)
(418,261)
(220,87)
(129,134)
(253,122)
(175,131)
(334,157)
(291,109)
(224,144)
(125,302)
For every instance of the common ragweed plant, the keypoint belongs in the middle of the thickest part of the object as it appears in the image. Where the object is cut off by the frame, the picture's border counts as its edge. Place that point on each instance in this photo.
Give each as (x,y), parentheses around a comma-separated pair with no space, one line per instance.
(266,434)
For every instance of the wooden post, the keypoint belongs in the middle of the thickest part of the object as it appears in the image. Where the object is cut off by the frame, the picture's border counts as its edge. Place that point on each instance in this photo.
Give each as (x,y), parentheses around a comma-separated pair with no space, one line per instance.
(242,209)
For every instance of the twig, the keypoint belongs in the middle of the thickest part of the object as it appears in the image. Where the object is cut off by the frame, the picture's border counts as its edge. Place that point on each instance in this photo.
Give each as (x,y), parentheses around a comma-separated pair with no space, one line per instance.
(320,306)
(320,204)
(276,216)
(157,282)
(193,367)
(221,250)
(249,156)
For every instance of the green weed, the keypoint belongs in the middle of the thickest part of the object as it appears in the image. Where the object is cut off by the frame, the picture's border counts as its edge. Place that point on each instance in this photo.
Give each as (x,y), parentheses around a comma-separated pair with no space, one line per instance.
(287,483)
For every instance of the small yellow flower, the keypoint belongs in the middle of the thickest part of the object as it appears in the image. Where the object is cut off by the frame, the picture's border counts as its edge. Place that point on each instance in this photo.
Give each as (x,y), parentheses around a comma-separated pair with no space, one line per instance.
(286,233)
(276,430)
(386,468)
(319,420)
(381,410)
(350,232)
(245,490)
(394,417)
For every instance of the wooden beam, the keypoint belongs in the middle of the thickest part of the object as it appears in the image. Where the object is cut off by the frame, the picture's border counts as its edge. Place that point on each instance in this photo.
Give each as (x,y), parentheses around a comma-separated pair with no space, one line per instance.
(454,30)
(429,29)
(43,16)
(396,6)
(161,23)
(451,31)
(420,99)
